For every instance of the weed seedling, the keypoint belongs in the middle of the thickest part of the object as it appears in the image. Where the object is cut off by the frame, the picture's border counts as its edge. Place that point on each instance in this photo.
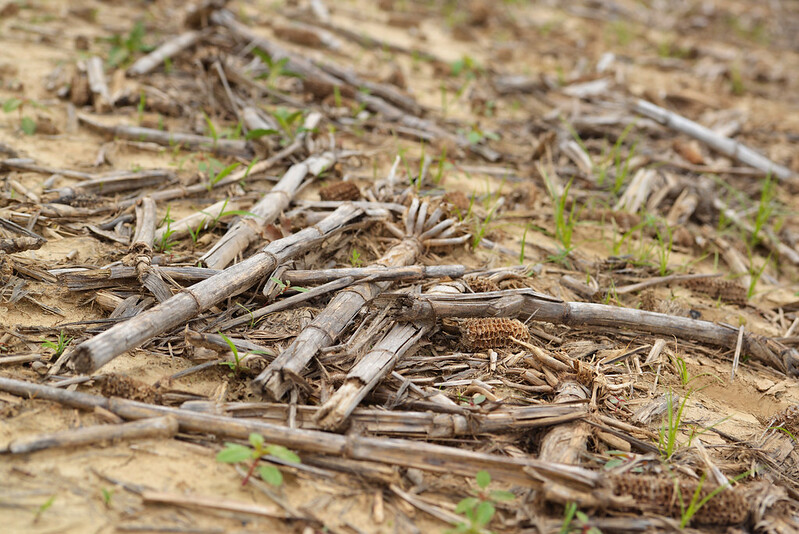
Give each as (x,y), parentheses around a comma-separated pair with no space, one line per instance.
(581,525)
(124,48)
(479,509)
(166,243)
(58,346)
(234,453)
(697,503)
(26,124)
(667,435)
(276,69)
(289,121)
(355,258)
(755,274)
(564,220)
(235,365)
(43,508)
(107,496)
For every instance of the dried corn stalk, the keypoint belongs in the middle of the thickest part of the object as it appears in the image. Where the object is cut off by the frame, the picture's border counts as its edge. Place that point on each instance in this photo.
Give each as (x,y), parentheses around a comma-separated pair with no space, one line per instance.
(328,325)
(96,352)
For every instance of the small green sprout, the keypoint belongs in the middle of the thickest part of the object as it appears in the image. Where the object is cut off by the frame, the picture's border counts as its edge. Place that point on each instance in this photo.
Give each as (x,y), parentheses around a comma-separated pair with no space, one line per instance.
(234,453)
(479,509)
(58,346)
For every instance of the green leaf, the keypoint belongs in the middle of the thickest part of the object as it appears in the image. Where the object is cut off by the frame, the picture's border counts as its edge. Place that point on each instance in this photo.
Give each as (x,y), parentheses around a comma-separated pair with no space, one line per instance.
(256,440)
(234,453)
(211,127)
(224,172)
(117,56)
(28,125)
(474,137)
(466,505)
(240,213)
(232,346)
(279,451)
(483,479)
(460,528)
(271,474)
(266,58)
(260,132)
(501,495)
(479,398)
(485,511)
(11,104)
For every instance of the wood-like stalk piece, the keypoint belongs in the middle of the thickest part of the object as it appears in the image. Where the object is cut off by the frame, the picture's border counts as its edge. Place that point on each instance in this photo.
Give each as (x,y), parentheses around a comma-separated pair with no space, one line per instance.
(566,444)
(144,237)
(227,147)
(725,145)
(28,165)
(212,503)
(374,366)
(275,380)
(155,427)
(249,228)
(426,424)
(548,309)
(10,245)
(368,372)
(96,352)
(661,280)
(391,451)
(311,72)
(289,302)
(117,182)
(375,272)
(168,49)
(95,71)
(197,220)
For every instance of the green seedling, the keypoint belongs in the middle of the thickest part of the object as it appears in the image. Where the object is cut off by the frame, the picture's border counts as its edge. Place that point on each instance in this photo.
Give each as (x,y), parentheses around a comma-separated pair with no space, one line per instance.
(765,209)
(26,124)
(477,136)
(58,346)
(355,258)
(214,179)
(736,81)
(123,49)
(211,129)
(43,508)
(667,434)
(249,312)
(108,494)
(478,510)
(235,365)
(755,274)
(166,243)
(142,104)
(289,121)
(523,243)
(234,453)
(564,220)
(337,96)
(277,69)
(285,286)
(696,503)
(443,165)
(581,524)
